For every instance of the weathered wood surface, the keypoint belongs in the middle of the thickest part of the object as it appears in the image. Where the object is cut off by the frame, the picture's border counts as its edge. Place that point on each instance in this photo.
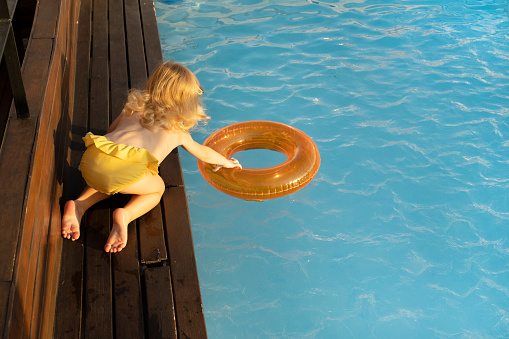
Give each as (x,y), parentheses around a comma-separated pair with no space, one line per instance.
(32,161)
(130,294)
(82,57)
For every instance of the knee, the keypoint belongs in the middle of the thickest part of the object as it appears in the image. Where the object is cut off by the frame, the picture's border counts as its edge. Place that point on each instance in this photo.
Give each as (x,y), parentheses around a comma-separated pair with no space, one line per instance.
(157,184)
(160,187)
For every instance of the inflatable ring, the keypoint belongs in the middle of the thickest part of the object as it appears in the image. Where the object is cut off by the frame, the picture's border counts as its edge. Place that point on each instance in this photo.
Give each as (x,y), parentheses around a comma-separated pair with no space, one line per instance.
(266,183)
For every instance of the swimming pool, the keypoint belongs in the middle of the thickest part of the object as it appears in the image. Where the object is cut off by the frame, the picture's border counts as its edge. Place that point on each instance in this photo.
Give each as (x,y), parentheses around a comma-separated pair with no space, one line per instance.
(403,232)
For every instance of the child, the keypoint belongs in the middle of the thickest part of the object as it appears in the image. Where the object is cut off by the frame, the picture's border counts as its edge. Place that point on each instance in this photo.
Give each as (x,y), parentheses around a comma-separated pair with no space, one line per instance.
(126,159)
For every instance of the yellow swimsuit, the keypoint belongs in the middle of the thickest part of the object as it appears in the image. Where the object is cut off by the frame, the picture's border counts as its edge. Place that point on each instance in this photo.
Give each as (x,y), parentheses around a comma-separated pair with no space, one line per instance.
(109,167)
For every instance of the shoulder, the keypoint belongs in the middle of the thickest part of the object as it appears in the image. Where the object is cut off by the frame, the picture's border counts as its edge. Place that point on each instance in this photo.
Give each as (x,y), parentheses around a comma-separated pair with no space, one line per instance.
(184,138)
(178,137)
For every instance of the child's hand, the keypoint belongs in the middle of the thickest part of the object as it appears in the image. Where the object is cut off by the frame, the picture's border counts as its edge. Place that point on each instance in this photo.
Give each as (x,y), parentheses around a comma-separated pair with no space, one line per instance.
(232,163)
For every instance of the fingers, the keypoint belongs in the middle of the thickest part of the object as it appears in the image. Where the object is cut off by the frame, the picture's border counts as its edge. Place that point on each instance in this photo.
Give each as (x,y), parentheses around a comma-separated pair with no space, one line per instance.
(234,162)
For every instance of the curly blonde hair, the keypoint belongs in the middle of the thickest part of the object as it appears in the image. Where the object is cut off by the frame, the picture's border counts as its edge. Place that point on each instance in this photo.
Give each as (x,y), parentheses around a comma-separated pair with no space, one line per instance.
(171,100)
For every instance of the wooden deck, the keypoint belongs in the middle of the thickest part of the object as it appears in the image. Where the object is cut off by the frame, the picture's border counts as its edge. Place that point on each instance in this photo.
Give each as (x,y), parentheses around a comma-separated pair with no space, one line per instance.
(86,59)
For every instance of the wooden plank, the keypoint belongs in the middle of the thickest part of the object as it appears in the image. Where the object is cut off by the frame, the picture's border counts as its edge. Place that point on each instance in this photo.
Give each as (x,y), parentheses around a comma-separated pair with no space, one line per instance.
(62,78)
(50,148)
(32,231)
(45,21)
(152,240)
(161,322)
(184,275)
(40,248)
(46,150)
(70,294)
(5,287)
(5,99)
(16,155)
(82,84)
(30,276)
(54,253)
(70,290)
(171,171)
(62,158)
(18,299)
(118,64)
(99,86)
(98,312)
(126,275)
(135,52)
(72,34)
(14,164)
(153,51)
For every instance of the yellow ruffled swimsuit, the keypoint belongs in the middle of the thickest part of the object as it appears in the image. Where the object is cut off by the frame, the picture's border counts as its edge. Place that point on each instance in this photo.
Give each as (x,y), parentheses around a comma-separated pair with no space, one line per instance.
(109,167)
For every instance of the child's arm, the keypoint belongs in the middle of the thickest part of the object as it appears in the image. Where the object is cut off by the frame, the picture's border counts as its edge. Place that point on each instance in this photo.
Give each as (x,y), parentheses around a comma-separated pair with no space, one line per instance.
(206,154)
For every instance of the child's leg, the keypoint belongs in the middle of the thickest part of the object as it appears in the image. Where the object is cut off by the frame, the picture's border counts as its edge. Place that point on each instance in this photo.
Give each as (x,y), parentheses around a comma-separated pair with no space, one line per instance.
(146,194)
(74,210)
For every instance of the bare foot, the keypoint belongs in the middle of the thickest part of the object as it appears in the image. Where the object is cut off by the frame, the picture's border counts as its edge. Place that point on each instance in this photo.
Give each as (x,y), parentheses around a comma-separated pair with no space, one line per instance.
(71,221)
(118,235)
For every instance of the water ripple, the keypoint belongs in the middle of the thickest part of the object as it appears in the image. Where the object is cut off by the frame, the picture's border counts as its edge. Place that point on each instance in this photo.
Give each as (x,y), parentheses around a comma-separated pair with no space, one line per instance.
(402,233)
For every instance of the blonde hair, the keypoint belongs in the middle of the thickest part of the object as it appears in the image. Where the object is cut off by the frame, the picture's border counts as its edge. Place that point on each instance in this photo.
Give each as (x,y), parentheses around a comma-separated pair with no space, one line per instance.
(171,100)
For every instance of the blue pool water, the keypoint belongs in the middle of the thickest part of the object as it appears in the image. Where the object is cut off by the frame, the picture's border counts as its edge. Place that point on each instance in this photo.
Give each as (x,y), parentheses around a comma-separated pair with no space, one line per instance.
(404,231)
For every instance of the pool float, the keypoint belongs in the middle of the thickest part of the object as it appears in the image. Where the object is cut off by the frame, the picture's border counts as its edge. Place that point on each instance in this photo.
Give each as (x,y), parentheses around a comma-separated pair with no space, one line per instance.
(303,160)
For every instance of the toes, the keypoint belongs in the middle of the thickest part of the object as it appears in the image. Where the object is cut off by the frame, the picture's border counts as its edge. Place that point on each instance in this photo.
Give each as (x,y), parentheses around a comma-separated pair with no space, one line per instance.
(110,248)
(71,235)
(114,248)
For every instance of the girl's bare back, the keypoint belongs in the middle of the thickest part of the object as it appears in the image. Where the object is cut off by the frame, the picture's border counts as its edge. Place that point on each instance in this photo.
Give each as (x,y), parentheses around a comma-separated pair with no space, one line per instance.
(127,130)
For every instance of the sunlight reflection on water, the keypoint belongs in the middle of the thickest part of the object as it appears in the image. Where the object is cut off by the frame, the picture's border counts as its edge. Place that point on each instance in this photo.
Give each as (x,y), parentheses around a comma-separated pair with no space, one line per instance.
(403,231)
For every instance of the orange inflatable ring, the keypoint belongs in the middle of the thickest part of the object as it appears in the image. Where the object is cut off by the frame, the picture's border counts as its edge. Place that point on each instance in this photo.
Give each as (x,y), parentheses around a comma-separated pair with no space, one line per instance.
(266,183)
